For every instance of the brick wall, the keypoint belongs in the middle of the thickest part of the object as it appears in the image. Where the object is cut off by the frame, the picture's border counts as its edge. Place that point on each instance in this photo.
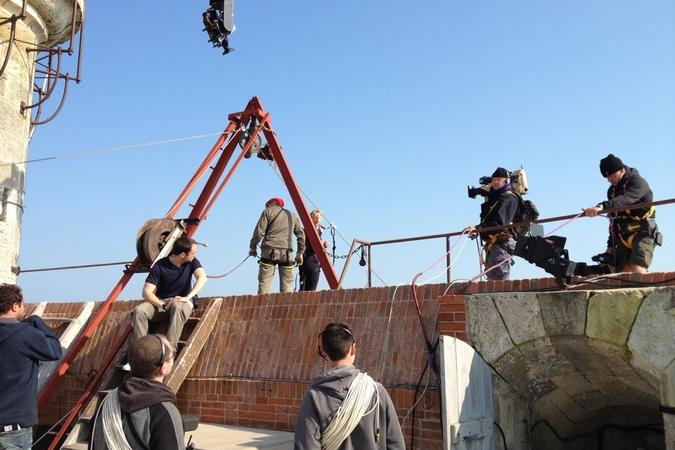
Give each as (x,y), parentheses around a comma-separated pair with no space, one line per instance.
(261,355)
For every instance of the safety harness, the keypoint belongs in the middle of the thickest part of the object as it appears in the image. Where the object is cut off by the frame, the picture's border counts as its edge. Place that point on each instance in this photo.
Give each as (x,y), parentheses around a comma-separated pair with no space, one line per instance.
(270,262)
(628,225)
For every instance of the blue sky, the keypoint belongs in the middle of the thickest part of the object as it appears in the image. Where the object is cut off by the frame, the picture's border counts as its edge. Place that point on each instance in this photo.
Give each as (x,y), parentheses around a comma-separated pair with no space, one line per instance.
(386,112)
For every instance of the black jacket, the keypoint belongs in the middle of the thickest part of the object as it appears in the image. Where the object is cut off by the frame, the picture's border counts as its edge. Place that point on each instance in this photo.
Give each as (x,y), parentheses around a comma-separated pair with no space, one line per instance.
(22,346)
(502,210)
(631,190)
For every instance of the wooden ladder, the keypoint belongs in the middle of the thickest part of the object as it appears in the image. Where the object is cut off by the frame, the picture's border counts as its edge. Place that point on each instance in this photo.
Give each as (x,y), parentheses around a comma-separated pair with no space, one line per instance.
(195,334)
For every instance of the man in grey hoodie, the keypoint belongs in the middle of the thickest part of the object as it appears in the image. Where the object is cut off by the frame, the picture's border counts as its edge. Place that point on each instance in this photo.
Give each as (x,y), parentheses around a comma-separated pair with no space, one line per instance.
(141,414)
(344,408)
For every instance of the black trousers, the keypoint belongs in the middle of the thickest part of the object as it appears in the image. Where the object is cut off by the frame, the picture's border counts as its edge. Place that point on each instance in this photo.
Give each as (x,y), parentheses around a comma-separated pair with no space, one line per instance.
(309,273)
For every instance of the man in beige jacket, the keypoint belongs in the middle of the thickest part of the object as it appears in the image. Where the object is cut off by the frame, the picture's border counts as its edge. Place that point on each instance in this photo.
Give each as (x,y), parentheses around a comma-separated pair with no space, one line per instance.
(276,228)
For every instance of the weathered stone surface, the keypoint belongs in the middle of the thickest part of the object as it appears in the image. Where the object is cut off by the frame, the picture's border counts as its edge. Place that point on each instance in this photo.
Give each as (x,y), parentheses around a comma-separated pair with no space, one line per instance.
(611,314)
(668,386)
(511,413)
(669,426)
(486,328)
(652,339)
(522,316)
(563,313)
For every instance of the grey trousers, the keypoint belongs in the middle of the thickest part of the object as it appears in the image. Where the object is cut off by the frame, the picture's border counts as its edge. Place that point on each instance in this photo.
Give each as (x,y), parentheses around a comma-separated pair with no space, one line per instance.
(498,253)
(176,316)
(266,274)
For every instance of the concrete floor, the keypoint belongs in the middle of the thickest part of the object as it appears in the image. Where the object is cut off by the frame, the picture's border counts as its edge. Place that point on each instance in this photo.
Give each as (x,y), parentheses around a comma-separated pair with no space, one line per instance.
(225,437)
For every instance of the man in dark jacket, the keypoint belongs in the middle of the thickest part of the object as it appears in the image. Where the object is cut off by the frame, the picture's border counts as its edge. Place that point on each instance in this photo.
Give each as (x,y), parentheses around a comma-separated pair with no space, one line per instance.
(142,412)
(633,233)
(276,228)
(24,342)
(501,207)
(359,400)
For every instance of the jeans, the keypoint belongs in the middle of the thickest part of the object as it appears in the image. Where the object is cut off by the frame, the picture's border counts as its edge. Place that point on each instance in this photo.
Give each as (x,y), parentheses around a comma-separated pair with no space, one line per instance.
(17,440)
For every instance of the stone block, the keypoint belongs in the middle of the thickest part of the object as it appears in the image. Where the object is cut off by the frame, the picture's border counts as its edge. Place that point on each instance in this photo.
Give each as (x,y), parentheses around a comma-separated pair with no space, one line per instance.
(486,328)
(522,315)
(652,339)
(668,386)
(563,313)
(669,427)
(611,314)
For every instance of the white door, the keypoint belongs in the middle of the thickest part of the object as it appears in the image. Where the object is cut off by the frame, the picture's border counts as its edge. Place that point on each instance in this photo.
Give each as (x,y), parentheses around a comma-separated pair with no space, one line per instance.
(466,387)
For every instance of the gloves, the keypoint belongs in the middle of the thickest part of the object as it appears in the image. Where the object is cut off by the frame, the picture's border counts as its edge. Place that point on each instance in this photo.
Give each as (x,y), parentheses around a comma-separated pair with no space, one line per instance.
(252,252)
(298,260)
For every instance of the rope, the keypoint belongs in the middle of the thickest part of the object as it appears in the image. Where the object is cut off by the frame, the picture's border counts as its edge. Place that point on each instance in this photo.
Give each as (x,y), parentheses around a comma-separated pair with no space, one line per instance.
(324,216)
(113,430)
(213,277)
(352,409)
(111,149)
(81,266)
(58,422)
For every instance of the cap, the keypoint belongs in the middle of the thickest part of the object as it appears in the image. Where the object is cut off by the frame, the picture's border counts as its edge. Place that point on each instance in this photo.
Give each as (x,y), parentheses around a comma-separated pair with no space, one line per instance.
(610,164)
(279,201)
(500,173)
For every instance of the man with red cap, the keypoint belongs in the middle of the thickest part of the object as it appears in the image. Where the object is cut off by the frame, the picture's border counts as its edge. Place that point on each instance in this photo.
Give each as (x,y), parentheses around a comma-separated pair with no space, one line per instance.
(633,233)
(276,228)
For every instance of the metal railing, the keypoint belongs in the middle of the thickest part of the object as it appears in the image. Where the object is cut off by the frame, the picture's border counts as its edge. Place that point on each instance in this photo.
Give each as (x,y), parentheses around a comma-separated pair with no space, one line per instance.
(368,245)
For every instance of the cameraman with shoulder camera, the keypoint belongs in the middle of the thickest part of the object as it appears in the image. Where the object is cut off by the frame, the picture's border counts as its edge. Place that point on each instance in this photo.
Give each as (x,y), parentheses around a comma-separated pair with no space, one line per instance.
(24,342)
(633,233)
(501,207)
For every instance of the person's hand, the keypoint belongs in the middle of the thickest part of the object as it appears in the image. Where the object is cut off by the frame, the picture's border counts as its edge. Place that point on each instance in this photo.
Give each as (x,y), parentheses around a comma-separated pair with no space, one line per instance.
(252,252)
(325,244)
(592,211)
(470,230)
(298,260)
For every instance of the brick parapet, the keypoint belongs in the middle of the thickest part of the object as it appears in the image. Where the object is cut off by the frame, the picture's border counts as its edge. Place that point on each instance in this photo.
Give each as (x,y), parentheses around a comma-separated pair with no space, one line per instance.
(261,354)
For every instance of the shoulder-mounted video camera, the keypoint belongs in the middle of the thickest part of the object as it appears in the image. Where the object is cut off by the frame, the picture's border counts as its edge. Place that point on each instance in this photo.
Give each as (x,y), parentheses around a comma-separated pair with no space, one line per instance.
(518,179)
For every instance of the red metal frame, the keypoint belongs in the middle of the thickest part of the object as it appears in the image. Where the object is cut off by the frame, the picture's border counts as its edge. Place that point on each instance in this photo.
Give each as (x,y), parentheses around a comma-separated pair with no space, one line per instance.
(230,138)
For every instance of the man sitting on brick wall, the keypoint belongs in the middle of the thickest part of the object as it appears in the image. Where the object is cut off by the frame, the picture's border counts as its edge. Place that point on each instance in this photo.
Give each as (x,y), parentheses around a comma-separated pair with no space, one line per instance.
(141,414)
(345,408)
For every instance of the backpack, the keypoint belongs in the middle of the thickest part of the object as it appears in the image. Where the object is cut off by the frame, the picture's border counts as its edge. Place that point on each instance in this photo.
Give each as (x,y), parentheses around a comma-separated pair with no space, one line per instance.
(528,213)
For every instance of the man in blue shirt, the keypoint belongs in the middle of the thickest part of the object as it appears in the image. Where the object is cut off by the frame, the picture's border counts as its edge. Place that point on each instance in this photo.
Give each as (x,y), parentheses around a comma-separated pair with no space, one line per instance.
(168,291)
(24,342)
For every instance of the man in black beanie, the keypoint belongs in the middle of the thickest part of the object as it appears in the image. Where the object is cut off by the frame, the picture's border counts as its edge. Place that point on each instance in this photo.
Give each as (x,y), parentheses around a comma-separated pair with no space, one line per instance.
(633,233)
(501,207)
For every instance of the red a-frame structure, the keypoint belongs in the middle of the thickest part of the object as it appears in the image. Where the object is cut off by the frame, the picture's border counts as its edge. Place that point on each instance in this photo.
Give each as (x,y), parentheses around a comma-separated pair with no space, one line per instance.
(245,129)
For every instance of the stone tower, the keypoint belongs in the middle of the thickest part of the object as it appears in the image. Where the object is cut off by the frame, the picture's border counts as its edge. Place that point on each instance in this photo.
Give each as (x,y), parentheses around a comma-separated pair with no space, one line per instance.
(45,23)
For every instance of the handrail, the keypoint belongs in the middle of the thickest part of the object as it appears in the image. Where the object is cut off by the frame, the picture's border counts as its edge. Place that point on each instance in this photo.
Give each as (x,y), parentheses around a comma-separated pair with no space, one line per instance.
(371,244)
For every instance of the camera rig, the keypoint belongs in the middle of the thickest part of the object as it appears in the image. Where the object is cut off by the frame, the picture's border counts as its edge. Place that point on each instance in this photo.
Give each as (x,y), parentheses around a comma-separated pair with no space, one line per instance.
(518,179)
(550,254)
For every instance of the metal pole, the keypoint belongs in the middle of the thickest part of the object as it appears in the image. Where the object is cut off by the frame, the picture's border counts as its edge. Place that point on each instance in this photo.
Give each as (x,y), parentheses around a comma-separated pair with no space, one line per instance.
(349,258)
(448,260)
(370,267)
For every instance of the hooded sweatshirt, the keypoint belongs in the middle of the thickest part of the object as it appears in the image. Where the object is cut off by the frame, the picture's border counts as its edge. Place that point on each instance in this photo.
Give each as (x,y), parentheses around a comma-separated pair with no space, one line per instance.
(149,417)
(321,402)
(22,346)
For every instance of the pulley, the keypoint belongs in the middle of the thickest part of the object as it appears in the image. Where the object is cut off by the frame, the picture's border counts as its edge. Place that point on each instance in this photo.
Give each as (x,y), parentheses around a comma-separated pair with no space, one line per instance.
(152,237)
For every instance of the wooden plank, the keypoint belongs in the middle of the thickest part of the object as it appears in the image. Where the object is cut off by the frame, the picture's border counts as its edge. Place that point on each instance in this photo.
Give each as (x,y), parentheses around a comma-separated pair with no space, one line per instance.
(194,345)
(182,365)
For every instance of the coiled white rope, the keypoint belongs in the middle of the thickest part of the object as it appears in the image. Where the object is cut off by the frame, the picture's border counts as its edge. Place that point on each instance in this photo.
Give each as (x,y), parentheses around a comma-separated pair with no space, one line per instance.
(113,430)
(353,408)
